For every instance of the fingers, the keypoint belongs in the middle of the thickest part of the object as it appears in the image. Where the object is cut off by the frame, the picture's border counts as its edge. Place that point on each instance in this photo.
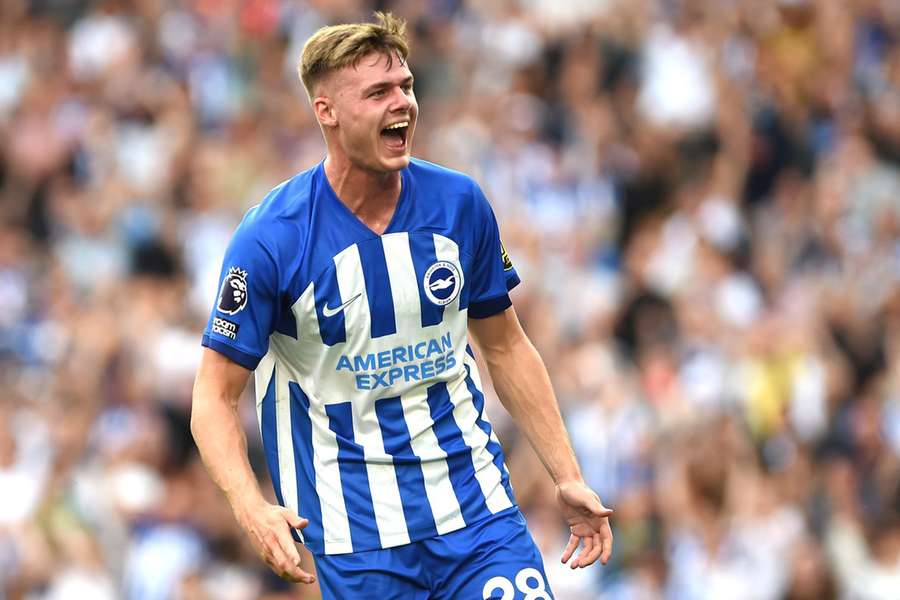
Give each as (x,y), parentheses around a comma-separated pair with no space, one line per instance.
(570,548)
(587,549)
(291,566)
(586,542)
(293,519)
(607,548)
(595,552)
(593,547)
(269,530)
(276,557)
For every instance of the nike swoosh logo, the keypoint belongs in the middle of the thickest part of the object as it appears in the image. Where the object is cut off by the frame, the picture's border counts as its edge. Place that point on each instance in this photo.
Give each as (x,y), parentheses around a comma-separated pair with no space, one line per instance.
(330,312)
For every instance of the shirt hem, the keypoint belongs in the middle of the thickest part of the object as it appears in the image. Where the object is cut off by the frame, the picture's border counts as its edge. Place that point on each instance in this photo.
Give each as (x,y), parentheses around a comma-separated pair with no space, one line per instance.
(413,536)
(248,361)
(489,307)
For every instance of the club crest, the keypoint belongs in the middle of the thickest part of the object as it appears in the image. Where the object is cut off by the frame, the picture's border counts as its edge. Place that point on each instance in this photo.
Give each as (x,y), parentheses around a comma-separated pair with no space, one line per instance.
(442,282)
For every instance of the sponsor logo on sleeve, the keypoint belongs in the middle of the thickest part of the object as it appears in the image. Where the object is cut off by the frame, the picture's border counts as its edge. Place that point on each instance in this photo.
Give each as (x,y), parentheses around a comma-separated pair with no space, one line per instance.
(225,327)
(233,295)
(507,263)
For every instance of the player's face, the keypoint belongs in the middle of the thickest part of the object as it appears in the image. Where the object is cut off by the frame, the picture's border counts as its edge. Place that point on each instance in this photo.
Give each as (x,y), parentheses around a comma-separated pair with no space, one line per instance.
(376,110)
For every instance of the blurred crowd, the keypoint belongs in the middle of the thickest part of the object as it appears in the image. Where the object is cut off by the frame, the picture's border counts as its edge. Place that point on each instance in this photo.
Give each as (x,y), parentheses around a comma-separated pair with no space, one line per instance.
(702,198)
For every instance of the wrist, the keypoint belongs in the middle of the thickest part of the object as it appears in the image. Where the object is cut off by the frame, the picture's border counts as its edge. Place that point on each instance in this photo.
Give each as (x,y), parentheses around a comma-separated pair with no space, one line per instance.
(561,483)
(567,478)
(245,501)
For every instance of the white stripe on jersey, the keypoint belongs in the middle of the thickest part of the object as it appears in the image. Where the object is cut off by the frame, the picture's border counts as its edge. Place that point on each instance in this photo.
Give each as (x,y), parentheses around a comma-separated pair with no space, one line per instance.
(486,472)
(335,524)
(287,469)
(405,289)
(476,379)
(382,478)
(444,506)
(287,473)
(263,374)
(404,283)
(446,249)
(351,281)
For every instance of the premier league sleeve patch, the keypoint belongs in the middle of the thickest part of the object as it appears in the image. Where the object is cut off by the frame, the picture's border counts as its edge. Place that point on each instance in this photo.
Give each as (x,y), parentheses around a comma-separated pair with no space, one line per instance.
(233,295)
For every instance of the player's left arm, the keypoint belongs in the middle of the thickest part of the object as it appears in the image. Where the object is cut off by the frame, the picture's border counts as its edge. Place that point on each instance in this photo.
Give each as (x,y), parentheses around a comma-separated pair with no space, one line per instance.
(523,385)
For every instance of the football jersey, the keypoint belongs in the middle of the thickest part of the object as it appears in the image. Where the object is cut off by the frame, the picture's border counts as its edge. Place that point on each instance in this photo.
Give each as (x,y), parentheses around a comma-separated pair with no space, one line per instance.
(369,400)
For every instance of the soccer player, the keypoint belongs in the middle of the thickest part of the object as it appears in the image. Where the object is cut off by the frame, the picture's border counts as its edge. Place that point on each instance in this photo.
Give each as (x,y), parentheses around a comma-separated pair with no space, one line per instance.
(352,290)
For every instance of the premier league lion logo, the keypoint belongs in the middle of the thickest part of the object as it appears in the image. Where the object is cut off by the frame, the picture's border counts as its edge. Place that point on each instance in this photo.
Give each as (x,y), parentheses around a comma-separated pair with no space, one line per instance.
(233,295)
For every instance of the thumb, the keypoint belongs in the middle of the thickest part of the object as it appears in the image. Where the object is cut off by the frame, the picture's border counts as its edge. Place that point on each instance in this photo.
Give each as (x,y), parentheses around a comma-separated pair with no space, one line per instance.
(294,520)
(602,511)
(596,508)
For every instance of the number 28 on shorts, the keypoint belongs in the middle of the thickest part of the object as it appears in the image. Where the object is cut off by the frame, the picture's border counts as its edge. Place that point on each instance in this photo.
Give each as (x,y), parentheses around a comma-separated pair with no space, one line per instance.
(529,581)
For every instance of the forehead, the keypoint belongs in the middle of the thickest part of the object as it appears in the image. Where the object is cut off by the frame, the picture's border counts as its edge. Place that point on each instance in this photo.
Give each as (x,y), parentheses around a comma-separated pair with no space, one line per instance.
(373,68)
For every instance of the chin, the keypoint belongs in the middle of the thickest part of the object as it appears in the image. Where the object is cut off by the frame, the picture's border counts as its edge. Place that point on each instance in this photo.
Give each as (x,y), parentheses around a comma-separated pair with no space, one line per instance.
(394,163)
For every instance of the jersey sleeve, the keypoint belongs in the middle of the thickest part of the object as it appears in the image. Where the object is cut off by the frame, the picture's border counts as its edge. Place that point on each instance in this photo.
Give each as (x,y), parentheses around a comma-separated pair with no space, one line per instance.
(493,274)
(247,305)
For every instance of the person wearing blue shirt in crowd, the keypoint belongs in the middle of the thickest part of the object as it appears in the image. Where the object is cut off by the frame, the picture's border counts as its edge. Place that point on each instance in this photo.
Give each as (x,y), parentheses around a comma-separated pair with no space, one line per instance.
(352,291)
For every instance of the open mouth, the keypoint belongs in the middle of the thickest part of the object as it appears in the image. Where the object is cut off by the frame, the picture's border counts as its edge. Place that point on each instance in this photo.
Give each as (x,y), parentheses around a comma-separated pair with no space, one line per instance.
(394,136)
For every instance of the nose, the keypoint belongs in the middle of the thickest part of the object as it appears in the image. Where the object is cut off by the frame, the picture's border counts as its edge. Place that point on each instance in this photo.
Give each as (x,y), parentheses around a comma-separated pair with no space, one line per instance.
(401,100)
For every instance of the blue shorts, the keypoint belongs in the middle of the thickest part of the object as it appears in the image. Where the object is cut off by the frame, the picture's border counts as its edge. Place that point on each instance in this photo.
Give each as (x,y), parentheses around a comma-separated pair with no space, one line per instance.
(493,559)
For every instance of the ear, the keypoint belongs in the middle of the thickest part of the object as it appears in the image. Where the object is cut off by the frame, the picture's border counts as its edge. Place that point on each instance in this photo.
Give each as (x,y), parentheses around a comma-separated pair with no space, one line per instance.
(323,106)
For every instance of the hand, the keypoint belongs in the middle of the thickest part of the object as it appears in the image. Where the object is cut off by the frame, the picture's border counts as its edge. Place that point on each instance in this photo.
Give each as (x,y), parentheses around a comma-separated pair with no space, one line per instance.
(269,528)
(588,521)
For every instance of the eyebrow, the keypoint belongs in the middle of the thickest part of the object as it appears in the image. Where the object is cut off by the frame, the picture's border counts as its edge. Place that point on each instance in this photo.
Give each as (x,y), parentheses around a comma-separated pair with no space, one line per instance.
(385,84)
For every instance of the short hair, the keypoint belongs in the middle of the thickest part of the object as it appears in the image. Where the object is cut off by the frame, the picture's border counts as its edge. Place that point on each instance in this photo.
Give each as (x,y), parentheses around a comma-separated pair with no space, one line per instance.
(337,46)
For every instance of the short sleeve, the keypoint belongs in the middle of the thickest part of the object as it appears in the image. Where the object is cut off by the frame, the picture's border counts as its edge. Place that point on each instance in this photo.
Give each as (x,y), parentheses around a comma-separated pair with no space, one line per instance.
(493,274)
(247,305)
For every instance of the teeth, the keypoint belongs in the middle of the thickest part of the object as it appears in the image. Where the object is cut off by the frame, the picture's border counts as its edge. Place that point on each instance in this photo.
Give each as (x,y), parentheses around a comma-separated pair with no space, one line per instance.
(398,125)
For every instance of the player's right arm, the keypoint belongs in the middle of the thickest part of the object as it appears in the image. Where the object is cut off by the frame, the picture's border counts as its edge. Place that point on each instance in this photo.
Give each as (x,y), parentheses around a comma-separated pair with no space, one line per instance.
(217,430)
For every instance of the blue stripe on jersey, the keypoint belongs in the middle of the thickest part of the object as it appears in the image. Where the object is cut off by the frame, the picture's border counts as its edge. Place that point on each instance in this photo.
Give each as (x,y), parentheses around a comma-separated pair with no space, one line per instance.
(421,247)
(354,478)
(459,456)
(492,446)
(307,496)
(378,287)
(328,293)
(465,263)
(408,466)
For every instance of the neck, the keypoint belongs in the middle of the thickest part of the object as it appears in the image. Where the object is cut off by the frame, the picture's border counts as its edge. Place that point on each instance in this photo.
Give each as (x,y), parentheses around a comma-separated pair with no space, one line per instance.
(367,193)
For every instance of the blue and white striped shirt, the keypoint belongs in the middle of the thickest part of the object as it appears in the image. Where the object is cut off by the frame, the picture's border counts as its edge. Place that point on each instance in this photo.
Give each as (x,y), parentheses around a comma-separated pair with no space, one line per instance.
(370,404)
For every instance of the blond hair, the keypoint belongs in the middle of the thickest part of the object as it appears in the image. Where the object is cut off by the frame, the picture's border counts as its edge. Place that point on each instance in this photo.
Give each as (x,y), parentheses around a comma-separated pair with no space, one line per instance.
(337,46)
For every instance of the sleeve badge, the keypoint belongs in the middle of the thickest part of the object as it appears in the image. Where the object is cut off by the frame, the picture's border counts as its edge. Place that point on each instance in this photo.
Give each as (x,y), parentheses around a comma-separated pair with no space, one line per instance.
(507,263)
(233,295)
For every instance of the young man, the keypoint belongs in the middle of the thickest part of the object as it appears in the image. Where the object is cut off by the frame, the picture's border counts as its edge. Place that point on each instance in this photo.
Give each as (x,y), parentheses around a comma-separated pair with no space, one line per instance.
(351,290)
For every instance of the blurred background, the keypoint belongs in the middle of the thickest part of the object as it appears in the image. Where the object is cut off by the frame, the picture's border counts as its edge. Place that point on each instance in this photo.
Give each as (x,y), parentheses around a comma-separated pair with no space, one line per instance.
(703,201)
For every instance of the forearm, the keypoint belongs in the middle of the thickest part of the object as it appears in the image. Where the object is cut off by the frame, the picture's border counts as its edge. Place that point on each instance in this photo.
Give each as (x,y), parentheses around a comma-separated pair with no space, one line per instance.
(523,385)
(220,438)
